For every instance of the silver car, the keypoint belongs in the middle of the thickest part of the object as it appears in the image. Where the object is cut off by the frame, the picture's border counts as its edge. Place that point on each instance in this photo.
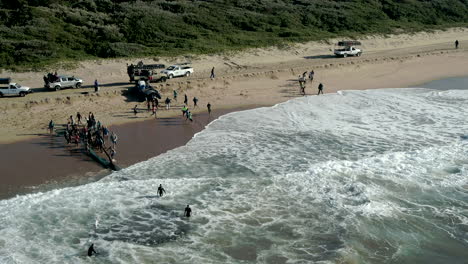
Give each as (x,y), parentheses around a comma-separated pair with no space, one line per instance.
(63,82)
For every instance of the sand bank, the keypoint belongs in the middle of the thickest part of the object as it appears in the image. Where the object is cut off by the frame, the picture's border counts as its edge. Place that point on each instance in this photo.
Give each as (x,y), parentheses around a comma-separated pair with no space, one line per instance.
(257,76)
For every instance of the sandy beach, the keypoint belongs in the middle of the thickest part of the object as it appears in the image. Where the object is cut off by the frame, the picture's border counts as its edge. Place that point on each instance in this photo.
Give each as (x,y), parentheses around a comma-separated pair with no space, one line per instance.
(258,77)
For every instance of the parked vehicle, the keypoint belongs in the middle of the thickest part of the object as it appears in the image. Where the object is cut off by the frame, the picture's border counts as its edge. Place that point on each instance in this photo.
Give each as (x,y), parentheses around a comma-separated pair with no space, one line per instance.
(144,91)
(178,70)
(7,88)
(347,48)
(62,82)
(144,72)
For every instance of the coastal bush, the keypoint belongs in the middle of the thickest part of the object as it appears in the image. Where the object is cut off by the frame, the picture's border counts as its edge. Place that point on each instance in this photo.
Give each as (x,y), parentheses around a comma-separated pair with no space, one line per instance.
(35,33)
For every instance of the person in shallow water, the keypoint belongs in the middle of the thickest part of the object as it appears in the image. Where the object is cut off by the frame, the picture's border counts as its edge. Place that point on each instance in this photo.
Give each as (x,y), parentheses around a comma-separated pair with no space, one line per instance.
(91,250)
(188,211)
(161,190)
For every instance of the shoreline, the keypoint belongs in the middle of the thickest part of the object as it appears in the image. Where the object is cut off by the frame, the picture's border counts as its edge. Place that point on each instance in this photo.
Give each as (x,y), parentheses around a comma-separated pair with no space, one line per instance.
(50,163)
(46,148)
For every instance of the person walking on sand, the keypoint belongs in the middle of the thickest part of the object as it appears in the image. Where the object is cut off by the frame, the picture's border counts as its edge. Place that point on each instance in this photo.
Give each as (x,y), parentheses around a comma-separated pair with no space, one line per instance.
(456,44)
(189,116)
(320,89)
(212,76)
(185,99)
(184,110)
(187,211)
(96,86)
(114,139)
(168,103)
(135,110)
(311,75)
(209,108)
(51,127)
(175,95)
(195,101)
(91,251)
(161,190)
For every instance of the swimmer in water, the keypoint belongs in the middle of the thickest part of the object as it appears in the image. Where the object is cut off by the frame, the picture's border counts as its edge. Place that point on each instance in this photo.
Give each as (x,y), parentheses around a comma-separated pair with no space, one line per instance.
(91,250)
(161,190)
(188,211)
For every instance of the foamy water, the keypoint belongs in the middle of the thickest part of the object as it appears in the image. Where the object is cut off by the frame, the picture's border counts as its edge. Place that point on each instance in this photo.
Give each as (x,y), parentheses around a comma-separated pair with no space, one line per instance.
(377,176)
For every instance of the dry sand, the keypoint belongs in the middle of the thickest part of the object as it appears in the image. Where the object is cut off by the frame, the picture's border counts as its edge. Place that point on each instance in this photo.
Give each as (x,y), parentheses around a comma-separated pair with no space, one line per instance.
(253,77)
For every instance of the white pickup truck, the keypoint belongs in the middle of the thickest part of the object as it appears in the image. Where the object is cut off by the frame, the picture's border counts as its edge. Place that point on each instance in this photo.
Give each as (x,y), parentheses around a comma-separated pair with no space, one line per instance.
(177,71)
(14,89)
(348,51)
(347,48)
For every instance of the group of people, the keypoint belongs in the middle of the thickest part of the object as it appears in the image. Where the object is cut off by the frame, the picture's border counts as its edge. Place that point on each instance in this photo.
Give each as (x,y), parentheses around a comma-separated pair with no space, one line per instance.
(303,80)
(51,78)
(152,104)
(89,131)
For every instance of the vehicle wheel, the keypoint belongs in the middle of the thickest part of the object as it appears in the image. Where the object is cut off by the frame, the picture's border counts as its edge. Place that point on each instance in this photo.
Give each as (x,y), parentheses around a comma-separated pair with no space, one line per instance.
(171,76)
(22,94)
(78,86)
(359,54)
(345,55)
(163,79)
(187,74)
(57,88)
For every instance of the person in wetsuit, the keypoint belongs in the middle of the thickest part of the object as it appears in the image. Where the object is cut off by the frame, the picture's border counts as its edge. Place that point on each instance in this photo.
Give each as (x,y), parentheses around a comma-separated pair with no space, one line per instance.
(91,250)
(188,211)
(161,190)
(209,108)
(320,89)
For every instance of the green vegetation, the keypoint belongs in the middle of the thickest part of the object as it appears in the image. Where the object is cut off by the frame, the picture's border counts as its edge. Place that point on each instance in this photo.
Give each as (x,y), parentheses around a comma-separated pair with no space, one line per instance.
(34,33)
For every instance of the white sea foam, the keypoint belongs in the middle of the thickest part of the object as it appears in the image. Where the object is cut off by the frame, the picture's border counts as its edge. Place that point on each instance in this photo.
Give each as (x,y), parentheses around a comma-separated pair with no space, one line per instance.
(360,176)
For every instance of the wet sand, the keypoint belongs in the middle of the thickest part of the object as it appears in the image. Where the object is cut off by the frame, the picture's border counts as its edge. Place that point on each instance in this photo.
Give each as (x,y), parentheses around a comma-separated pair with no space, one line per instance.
(48,162)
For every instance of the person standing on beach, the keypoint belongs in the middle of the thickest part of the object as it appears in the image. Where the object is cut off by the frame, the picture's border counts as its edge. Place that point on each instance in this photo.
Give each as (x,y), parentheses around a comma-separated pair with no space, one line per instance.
(161,190)
(320,89)
(135,110)
(51,127)
(195,101)
(96,86)
(154,111)
(185,99)
(168,103)
(175,95)
(456,44)
(112,153)
(78,118)
(187,211)
(209,108)
(212,76)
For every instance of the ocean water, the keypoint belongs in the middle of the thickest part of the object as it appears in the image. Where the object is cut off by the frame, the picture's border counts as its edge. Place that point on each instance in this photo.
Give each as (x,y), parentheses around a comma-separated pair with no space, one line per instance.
(375,176)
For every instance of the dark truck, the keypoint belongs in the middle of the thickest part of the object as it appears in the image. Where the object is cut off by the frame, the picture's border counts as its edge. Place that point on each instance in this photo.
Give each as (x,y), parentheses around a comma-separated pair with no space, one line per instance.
(148,72)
